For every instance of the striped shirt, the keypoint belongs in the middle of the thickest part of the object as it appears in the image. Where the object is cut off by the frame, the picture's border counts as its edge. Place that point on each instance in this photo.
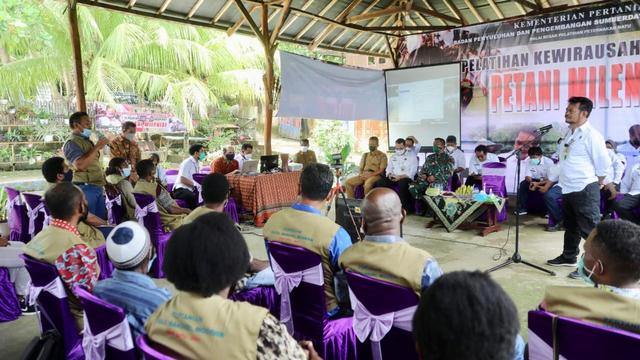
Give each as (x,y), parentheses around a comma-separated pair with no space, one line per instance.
(135,293)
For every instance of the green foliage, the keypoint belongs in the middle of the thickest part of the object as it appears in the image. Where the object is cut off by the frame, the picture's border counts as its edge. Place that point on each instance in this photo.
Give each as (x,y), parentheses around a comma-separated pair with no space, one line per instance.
(13,135)
(5,154)
(3,204)
(44,128)
(333,137)
(20,21)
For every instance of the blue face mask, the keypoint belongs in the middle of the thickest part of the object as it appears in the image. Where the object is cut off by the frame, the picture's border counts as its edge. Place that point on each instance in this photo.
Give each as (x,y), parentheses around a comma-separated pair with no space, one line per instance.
(535,161)
(582,271)
(151,262)
(86,132)
(126,172)
(68,176)
(202,155)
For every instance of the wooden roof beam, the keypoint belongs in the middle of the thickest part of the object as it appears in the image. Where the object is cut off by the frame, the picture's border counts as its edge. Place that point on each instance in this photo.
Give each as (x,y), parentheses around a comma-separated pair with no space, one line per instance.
(376,14)
(246,16)
(312,22)
(131,3)
(163,7)
(429,7)
(385,23)
(474,11)
(295,16)
(283,16)
(221,12)
(314,44)
(193,9)
(528,4)
(495,8)
(454,9)
(369,23)
(436,14)
(409,28)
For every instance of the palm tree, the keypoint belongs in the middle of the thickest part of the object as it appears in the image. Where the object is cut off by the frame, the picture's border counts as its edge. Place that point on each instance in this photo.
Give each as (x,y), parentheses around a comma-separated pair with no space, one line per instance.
(187,68)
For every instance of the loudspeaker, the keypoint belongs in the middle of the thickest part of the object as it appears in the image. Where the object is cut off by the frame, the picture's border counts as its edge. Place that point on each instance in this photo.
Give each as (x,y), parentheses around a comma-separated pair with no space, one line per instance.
(343,219)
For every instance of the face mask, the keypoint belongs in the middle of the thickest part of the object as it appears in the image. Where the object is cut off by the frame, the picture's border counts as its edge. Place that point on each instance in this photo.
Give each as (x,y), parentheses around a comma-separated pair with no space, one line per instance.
(86,132)
(372,148)
(230,157)
(202,155)
(451,149)
(85,212)
(581,271)
(126,172)
(306,148)
(247,156)
(535,161)
(130,137)
(151,262)
(401,151)
(436,149)
(68,176)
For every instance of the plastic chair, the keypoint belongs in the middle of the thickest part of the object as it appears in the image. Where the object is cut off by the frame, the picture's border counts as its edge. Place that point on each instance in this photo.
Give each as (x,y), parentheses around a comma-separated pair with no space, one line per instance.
(230,208)
(35,213)
(147,215)
(373,300)
(149,352)
(17,216)
(9,305)
(493,178)
(263,296)
(115,208)
(47,215)
(303,308)
(540,335)
(197,181)
(107,334)
(51,295)
(579,340)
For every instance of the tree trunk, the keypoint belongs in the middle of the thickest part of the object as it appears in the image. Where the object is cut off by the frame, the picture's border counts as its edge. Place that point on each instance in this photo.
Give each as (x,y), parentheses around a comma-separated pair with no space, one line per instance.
(4,56)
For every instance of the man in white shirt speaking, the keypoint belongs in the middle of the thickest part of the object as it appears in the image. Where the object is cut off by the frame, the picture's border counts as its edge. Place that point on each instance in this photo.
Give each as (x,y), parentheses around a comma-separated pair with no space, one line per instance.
(401,169)
(584,164)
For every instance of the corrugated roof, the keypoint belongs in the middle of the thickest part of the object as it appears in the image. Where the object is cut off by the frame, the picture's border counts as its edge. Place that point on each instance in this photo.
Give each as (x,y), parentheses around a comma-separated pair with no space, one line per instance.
(358,26)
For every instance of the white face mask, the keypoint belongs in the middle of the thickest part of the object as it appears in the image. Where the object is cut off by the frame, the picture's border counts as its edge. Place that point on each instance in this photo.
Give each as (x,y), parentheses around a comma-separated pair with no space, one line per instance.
(401,151)
(247,156)
(304,148)
(451,149)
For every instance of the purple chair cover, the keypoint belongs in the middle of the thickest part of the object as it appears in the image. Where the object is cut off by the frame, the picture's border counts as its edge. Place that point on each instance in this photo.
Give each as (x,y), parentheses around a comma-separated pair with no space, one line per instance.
(35,213)
(206,170)
(230,208)
(493,178)
(263,296)
(9,305)
(359,190)
(197,181)
(172,175)
(381,300)
(151,220)
(535,203)
(50,293)
(106,329)
(106,267)
(540,335)
(333,339)
(17,216)
(181,203)
(149,352)
(115,209)
(578,340)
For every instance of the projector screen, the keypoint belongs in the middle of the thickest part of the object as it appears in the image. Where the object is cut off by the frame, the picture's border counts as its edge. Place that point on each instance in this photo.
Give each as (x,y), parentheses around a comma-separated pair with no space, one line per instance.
(423,102)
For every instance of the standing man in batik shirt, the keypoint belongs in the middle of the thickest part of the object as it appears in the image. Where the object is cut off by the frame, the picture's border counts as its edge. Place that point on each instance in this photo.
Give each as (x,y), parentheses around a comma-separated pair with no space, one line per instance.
(124,147)
(436,170)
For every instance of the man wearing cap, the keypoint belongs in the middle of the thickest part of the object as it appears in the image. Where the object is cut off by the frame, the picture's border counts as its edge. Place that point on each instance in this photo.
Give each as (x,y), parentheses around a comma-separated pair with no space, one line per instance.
(130,250)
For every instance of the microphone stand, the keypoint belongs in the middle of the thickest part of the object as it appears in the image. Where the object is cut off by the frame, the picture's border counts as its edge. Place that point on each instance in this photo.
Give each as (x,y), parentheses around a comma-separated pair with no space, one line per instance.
(516,258)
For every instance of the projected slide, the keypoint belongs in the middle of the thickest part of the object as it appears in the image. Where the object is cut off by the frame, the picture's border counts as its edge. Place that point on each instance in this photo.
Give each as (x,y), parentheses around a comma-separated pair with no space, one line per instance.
(423,102)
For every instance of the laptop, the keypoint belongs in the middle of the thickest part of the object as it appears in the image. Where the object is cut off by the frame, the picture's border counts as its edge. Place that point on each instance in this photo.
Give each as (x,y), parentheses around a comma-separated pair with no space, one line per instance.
(268,163)
(249,167)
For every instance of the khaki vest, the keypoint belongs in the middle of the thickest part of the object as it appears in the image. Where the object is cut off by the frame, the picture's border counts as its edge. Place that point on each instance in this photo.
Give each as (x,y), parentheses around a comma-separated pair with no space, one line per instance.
(595,306)
(397,263)
(47,246)
(93,174)
(169,221)
(199,211)
(309,231)
(129,209)
(194,327)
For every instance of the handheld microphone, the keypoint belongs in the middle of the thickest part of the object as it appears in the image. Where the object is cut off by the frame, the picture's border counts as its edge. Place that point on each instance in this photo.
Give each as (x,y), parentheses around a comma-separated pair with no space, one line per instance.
(546,128)
(108,144)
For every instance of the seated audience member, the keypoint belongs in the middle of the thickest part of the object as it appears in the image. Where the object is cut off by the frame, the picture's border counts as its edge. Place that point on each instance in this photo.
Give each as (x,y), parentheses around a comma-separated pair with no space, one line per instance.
(56,171)
(559,149)
(385,255)
(611,264)
(401,170)
(171,215)
(437,170)
(612,145)
(131,289)
(612,183)
(245,154)
(203,260)
(482,156)
(371,167)
(184,189)
(116,175)
(442,329)
(305,156)
(18,274)
(412,145)
(459,161)
(215,194)
(161,174)
(552,192)
(226,164)
(630,187)
(536,170)
(327,239)
(59,244)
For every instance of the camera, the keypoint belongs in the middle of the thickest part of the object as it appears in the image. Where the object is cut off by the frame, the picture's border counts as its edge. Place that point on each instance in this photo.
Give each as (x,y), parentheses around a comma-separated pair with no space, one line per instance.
(336,161)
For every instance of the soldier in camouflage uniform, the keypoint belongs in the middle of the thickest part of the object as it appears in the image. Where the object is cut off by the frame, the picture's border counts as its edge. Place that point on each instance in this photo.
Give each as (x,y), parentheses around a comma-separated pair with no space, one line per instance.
(437,169)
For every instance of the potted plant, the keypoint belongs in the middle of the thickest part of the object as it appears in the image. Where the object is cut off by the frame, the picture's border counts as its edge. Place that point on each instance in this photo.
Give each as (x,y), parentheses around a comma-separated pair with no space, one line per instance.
(4,227)
(13,135)
(5,155)
(30,154)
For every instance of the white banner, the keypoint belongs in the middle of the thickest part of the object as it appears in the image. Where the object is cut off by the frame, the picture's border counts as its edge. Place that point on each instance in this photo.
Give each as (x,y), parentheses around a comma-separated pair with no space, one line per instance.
(315,90)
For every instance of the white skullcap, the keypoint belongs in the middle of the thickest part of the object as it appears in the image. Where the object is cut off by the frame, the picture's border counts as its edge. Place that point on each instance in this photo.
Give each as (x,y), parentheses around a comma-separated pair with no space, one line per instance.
(128,245)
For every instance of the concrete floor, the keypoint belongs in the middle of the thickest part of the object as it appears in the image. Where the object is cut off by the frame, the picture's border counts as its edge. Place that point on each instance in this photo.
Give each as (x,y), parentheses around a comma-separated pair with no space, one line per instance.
(459,250)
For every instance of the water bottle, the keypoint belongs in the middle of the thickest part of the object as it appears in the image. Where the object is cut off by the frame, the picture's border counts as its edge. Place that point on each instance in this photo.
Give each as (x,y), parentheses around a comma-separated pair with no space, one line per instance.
(474,193)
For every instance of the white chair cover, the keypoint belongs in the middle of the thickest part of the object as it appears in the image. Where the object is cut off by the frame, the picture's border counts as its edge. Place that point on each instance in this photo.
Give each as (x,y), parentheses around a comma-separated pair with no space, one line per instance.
(47,218)
(9,206)
(109,203)
(55,288)
(376,327)
(119,337)
(286,282)
(494,171)
(142,212)
(33,214)
(199,188)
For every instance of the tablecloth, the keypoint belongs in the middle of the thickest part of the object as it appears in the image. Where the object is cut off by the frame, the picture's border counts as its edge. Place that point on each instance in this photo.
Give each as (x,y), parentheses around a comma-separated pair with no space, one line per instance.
(264,195)
(452,211)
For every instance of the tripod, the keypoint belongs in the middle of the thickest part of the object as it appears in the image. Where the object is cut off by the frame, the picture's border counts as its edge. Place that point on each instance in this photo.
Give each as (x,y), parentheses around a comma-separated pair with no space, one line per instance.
(516,258)
(333,195)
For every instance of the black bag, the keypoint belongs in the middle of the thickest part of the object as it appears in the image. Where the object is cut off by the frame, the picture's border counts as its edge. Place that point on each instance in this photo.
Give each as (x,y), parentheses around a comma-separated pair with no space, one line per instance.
(48,346)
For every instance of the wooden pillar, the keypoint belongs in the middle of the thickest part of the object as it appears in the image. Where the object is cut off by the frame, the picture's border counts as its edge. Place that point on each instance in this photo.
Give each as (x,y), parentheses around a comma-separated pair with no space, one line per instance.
(269,51)
(77,54)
